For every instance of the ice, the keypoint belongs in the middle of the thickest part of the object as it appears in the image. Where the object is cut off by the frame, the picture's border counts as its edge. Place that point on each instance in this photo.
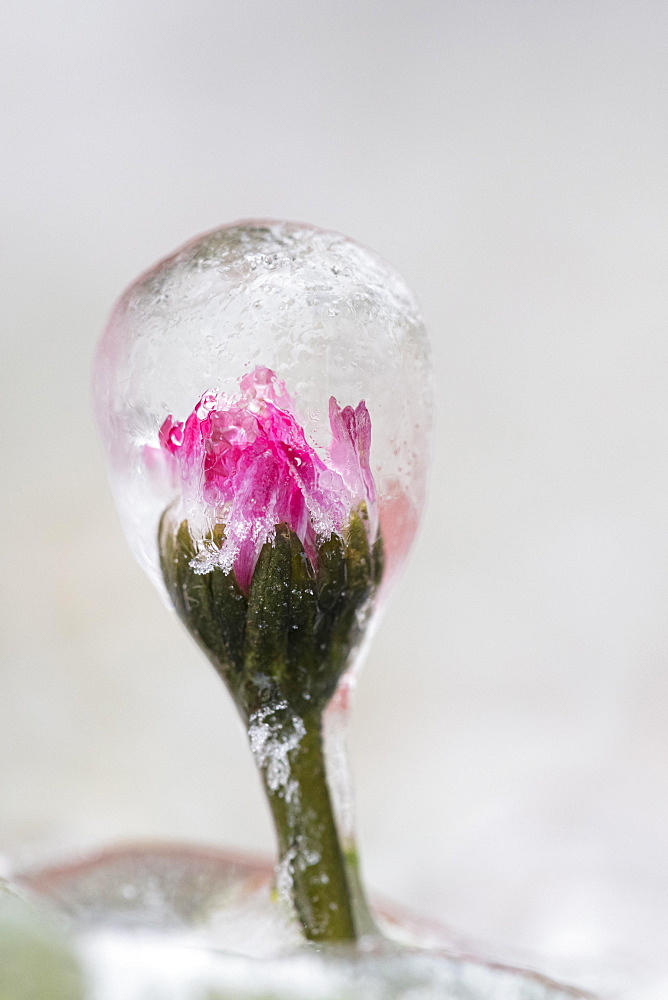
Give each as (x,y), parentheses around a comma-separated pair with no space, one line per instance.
(136,969)
(330,317)
(272,738)
(335,729)
(179,923)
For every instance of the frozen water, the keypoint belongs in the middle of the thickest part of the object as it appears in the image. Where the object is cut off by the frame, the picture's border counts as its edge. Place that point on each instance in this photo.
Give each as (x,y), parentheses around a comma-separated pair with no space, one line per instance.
(146,967)
(272,739)
(330,317)
(182,924)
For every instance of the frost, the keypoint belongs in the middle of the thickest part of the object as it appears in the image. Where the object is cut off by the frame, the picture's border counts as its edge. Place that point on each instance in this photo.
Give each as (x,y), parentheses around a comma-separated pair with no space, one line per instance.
(283,876)
(298,857)
(272,739)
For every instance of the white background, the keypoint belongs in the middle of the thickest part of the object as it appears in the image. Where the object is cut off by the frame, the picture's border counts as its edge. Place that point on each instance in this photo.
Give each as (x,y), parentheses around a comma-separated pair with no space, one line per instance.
(510,741)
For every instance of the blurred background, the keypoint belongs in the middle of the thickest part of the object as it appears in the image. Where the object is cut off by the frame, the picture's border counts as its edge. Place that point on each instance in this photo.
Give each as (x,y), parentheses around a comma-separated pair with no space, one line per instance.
(510,739)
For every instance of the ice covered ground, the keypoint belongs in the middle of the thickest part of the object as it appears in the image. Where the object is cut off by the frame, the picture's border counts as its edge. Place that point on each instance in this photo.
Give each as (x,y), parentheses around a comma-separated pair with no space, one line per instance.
(177,923)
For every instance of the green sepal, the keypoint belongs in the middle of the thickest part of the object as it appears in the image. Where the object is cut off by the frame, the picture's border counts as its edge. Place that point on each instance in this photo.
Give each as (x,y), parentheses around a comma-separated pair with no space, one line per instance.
(293,636)
(303,660)
(342,625)
(266,643)
(211,605)
(331,578)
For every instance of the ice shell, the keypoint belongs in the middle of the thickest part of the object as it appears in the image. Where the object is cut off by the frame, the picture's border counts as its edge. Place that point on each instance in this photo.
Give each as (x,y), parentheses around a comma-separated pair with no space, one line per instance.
(328,316)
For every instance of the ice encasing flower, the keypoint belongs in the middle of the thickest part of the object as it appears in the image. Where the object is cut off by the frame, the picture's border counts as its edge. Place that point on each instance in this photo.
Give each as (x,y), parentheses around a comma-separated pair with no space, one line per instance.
(264,526)
(248,462)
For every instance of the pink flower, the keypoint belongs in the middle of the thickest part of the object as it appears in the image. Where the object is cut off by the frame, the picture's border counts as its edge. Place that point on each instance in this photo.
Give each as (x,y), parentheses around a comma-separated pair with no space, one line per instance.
(248,460)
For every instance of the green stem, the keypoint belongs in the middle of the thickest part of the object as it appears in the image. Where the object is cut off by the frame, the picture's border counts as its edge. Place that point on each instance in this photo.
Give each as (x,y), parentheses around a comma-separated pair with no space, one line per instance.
(312,868)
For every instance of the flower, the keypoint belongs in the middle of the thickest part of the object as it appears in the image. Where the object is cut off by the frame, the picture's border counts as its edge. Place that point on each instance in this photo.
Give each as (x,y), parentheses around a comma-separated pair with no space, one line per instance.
(246,460)
(271,554)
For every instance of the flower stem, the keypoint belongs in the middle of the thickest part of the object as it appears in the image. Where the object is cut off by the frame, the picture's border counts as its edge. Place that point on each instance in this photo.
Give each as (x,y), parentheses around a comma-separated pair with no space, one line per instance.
(312,868)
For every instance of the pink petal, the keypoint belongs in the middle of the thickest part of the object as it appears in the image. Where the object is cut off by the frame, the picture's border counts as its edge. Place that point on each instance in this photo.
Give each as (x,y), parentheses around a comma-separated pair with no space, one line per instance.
(250,461)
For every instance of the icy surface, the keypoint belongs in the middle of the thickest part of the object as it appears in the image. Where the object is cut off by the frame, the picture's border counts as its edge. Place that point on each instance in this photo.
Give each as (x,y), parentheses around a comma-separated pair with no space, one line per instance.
(330,317)
(178,923)
(146,966)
